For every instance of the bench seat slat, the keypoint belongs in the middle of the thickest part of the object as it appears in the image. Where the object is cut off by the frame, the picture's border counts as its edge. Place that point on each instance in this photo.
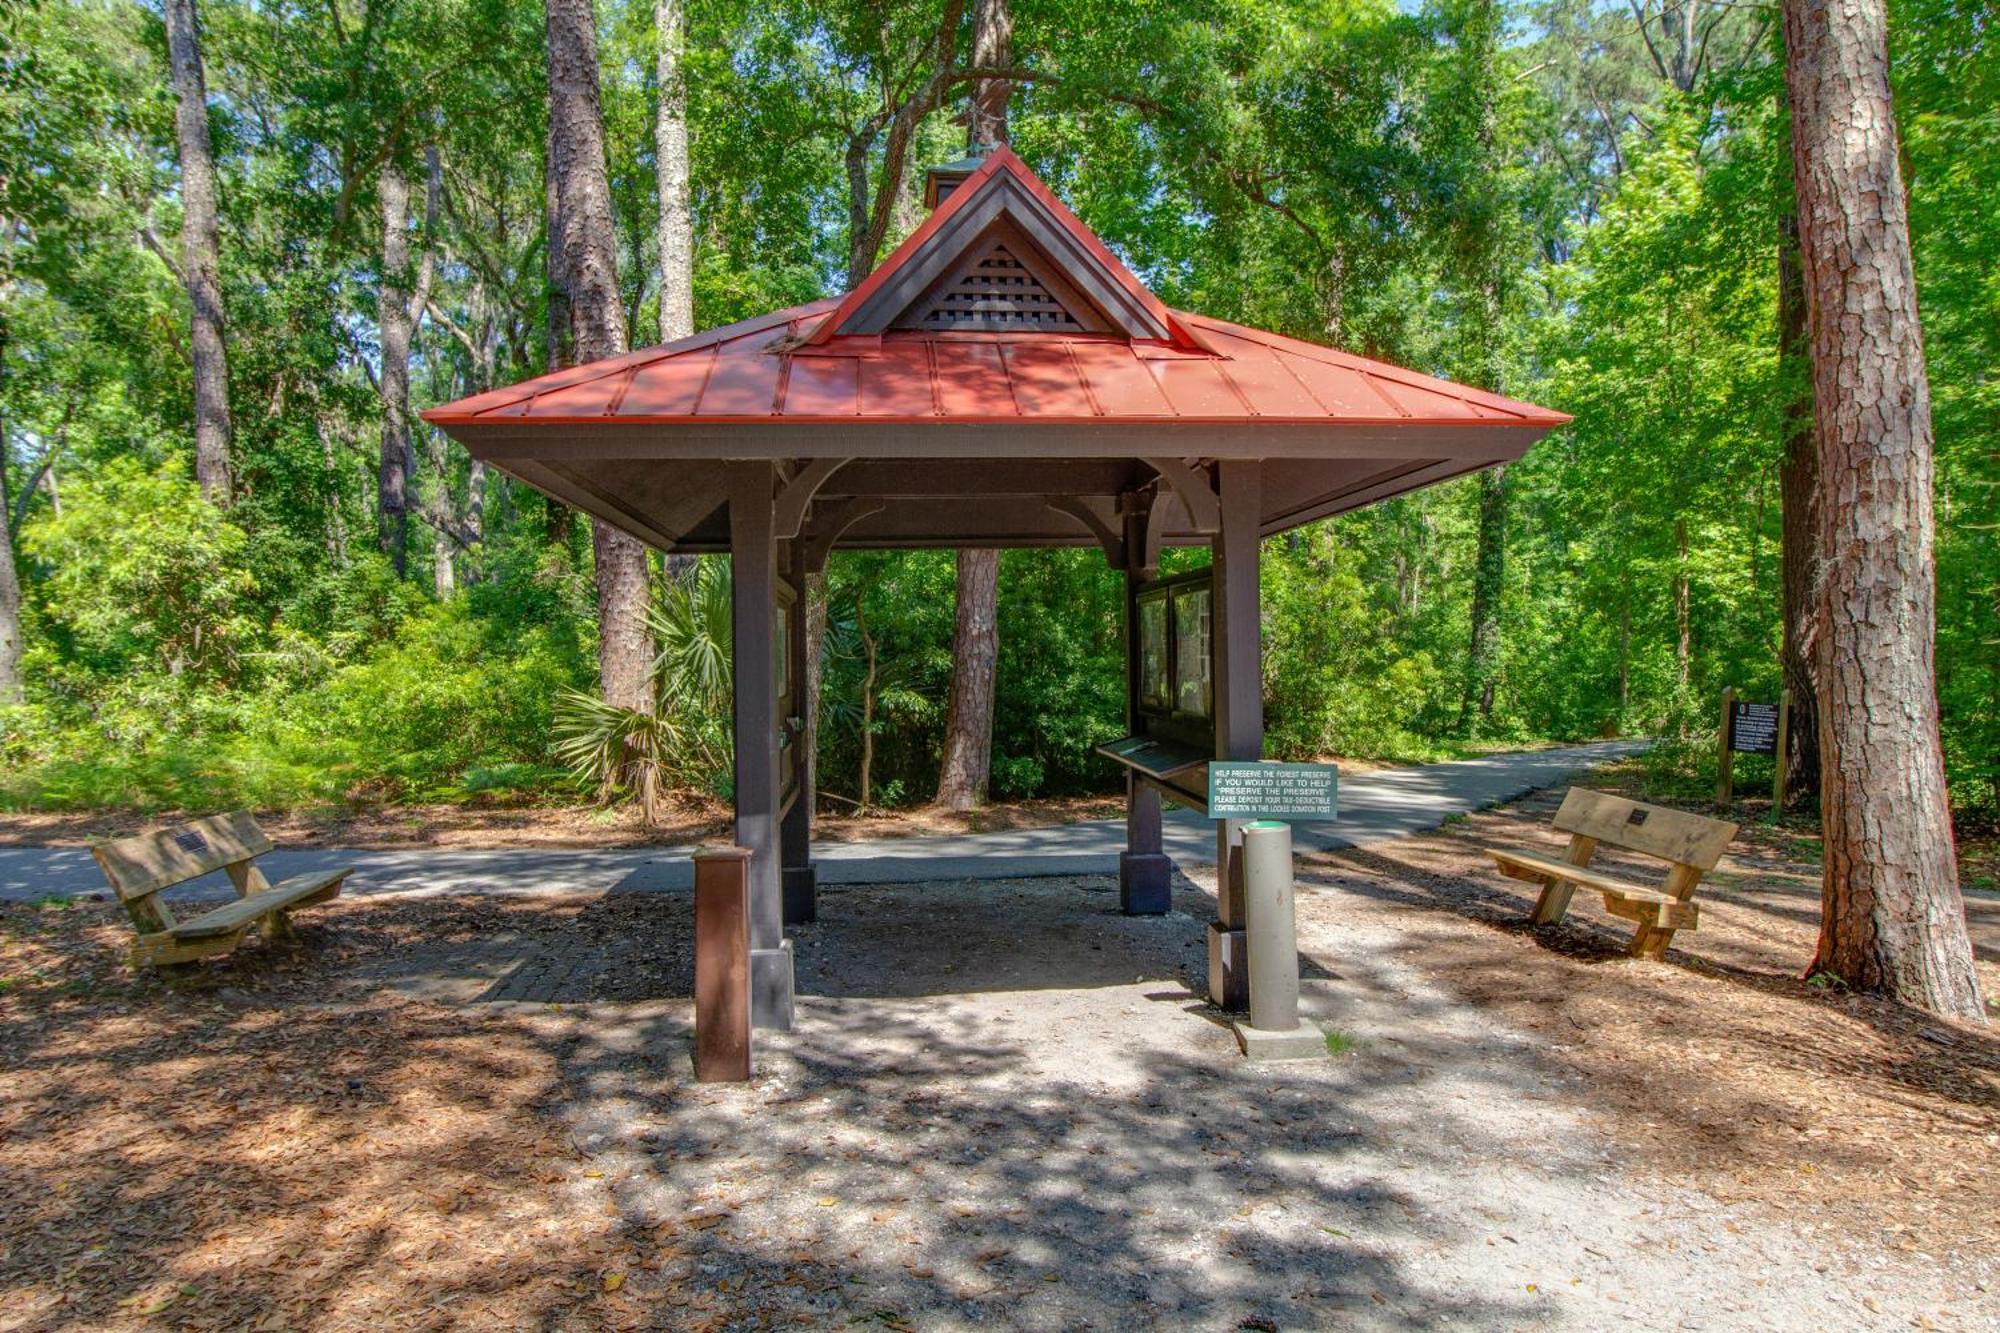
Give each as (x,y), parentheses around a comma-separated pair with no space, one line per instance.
(1542,865)
(234,916)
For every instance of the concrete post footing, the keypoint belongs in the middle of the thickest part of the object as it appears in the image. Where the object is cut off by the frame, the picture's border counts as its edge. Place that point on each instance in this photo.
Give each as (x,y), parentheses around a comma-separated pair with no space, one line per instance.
(1303,1042)
(1145,883)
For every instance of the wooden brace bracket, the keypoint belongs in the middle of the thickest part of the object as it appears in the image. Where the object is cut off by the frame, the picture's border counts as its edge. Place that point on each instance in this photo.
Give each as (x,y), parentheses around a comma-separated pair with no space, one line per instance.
(1203,505)
(796,495)
(832,520)
(1100,527)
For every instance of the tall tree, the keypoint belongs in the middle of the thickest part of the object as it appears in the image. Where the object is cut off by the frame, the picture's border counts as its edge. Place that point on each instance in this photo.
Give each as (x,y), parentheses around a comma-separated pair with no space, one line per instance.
(1479,242)
(966,773)
(10,583)
(1892,917)
(201,264)
(1799,506)
(586,239)
(393,320)
(670,133)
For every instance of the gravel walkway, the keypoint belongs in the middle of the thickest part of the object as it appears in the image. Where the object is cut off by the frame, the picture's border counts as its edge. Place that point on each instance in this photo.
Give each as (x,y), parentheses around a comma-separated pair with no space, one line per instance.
(1015,1111)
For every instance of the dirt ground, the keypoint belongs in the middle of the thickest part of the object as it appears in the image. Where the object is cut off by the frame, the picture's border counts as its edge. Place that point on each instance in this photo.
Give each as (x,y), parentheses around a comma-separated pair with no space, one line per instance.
(1004,1104)
(689,819)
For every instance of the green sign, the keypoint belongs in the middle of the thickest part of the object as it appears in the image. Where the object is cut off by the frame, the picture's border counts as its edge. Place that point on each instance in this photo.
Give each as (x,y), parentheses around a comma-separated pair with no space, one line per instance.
(1272,791)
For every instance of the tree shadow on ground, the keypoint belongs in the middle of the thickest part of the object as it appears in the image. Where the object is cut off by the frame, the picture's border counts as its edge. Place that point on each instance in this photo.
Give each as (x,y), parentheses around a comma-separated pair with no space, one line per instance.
(1921,1065)
(311,1142)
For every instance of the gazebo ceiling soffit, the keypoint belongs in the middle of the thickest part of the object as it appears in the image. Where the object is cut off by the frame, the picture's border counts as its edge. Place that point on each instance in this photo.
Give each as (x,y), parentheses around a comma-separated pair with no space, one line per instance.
(1001,379)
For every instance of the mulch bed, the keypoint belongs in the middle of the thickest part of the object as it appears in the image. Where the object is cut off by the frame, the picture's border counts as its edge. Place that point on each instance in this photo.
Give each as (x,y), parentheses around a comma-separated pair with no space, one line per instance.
(689,818)
(281,1147)
(271,1149)
(1722,1068)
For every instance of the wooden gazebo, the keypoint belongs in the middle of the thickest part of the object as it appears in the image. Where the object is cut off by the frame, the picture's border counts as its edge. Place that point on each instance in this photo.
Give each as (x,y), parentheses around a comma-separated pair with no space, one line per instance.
(1001,380)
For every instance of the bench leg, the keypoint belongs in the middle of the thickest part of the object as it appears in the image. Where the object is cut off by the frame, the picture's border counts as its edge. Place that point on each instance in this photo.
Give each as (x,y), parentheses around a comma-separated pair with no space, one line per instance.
(1554,902)
(1650,942)
(278,928)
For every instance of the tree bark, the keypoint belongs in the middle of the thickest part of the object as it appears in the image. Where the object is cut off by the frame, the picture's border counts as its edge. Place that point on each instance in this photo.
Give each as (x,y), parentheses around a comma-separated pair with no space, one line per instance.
(560,349)
(10,582)
(867,787)
(1481,39)
(968,739)
(992,48)
(670,133)
(586,238)
(393,468)
(975,645)
(1892,916)
(1799,505)
(201,264)
(1489,573)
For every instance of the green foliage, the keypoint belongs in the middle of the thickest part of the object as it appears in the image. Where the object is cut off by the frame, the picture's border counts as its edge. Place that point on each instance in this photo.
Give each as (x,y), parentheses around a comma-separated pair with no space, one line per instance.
(1510,194)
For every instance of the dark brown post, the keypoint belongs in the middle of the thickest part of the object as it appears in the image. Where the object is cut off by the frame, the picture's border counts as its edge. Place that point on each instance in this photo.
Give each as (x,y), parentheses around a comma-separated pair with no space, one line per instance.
(1725,787)
(721,964)
(1239,709)
(800,882)
(753,556)
(1145,876)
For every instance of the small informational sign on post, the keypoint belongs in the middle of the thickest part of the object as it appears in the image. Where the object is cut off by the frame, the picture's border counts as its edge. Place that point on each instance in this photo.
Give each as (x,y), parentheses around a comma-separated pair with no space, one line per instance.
(1244,790)
(1752,728)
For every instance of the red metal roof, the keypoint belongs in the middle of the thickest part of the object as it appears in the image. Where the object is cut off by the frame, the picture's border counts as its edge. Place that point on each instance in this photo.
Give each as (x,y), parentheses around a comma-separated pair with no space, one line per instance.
(759,371)
(799,366)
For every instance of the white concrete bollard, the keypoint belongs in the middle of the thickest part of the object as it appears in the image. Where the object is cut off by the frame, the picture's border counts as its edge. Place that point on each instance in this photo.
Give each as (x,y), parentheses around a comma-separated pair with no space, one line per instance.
(1274,1031)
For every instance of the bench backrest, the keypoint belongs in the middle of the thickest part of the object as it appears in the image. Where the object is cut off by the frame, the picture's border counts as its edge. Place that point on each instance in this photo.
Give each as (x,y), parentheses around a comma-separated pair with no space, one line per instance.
(142,866)
(1671,835)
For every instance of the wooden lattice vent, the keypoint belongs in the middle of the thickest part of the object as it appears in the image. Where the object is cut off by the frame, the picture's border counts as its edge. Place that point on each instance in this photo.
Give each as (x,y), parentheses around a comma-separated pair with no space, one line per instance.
(999,292)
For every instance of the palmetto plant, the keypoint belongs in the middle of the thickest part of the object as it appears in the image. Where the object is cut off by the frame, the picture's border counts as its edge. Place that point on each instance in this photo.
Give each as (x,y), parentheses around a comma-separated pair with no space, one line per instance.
(685,740)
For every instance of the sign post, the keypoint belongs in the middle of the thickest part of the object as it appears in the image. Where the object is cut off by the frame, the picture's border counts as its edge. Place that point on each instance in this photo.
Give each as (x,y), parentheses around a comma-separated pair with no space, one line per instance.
(1270,795)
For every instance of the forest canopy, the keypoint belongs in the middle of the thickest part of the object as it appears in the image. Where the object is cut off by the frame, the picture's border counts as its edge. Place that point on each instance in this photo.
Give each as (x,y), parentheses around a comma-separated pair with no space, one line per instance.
(1580,204)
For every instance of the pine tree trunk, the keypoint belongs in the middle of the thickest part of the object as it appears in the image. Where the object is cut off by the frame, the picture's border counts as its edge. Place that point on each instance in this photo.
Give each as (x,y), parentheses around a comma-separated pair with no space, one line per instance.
(1799,503)
(560,349)
(393,469)
(968,728)
(867,792)
(676,233)
(1892,917)
(1489,573)
(10,581)
(975,644)
(992,48)
(586,238)
(201,264)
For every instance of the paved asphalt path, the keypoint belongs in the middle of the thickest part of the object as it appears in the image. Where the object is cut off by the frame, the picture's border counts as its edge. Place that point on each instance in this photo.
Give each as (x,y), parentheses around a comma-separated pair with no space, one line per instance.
(1374,807)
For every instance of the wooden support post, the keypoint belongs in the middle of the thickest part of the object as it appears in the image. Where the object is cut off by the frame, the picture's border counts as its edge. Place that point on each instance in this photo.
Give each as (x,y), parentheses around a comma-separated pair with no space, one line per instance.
(1778,759)
(801,881)
(721,964)
(1724,788)
(1237,660)
(1145,875)
(753,557)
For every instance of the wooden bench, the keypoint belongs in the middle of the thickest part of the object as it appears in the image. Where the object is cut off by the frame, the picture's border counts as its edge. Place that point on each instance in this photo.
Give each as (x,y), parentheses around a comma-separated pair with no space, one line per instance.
(1690,844)
(139,868)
